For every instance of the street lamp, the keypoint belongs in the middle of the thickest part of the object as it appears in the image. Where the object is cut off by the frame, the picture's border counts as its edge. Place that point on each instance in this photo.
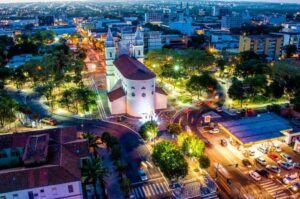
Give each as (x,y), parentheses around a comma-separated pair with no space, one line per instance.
(176,67)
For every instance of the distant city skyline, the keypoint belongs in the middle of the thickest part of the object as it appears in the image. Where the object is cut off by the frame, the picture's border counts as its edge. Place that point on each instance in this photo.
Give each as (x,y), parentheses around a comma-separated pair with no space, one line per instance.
(267,1)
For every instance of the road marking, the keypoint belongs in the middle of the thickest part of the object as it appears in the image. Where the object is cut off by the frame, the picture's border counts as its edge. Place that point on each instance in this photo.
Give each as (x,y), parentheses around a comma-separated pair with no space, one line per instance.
(146,191)
(155,188)
(152,192)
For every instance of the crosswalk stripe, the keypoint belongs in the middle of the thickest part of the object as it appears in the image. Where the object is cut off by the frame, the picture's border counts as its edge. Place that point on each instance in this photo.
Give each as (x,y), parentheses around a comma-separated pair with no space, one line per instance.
(145,188)
(273,189)
(151,190)
(155,189)
(162,186)
(136,193)
(166,186)
(141,192)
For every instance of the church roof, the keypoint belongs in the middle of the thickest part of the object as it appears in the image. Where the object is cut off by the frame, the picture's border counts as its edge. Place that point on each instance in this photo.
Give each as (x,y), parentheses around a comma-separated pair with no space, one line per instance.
(160,90)
(133,69)
(116,94)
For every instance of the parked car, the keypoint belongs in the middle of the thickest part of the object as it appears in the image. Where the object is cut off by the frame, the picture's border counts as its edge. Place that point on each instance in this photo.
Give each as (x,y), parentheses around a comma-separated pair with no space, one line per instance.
(223,142)
(261,160)
(273,156)
(207,143)
(214,131)
(250,151)
(296,186)
(286,157)
(286,165)
(50,121)
(273,168)
(246,163)
(143,175)
(265,173)
(263,149)
(290,178)
(255,175)
(297,165)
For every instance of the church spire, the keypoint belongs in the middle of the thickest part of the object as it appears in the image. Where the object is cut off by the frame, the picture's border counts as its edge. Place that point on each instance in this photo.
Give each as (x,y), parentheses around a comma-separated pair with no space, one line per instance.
(109,41)
(138,36)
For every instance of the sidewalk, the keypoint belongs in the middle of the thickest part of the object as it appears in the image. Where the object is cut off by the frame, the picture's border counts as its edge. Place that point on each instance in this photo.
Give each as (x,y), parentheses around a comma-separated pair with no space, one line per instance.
(112,180)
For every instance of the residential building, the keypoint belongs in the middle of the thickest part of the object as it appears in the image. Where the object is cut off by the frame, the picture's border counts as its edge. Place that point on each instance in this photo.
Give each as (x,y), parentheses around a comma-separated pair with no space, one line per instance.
(175,41)
(152,40)
(232,21)
(42,164)
(269,45)
(131,85)
(153,17)
(224,40)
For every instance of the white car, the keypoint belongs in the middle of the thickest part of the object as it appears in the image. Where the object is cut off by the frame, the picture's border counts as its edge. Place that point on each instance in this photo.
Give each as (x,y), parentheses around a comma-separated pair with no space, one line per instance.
(261,160)
(251,151)
(143,175)
(286,157)
(214,131)
(255,175)
(263,149)
(290,178)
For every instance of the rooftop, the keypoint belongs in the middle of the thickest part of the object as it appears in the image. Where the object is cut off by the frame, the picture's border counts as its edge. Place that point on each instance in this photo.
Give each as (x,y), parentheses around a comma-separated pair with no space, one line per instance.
(59,147)
(132,69)
(255,129)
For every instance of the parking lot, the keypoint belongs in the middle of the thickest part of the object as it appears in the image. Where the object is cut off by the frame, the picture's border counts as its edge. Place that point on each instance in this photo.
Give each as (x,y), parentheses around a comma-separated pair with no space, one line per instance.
(277,185)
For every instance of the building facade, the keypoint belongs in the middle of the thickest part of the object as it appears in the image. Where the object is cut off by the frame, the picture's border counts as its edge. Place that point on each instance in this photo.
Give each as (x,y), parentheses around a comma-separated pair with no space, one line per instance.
(131,85)
(269,45)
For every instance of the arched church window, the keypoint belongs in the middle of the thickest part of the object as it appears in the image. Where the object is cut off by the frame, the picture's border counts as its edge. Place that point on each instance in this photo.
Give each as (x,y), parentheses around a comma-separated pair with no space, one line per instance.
(132,87)
(152,92)
(139,52)
(110,54)
(133,94)
(143,87)
(143,94)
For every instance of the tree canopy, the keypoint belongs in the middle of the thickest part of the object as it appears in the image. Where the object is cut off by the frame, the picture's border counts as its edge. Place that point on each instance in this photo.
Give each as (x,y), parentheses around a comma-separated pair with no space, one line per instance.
(170,160)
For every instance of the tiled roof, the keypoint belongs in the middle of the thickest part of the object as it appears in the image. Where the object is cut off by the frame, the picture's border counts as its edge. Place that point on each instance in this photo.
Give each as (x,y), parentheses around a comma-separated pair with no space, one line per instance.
(160,90)
(62,165)
(116,94)
(132,69)
(34,177)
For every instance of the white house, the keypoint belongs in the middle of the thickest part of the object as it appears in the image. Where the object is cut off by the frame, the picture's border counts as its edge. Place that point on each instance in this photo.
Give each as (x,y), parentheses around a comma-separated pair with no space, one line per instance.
(131,85)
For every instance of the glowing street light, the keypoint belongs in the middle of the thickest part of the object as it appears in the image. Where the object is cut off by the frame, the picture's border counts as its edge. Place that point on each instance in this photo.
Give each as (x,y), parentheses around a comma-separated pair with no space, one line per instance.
(176,67)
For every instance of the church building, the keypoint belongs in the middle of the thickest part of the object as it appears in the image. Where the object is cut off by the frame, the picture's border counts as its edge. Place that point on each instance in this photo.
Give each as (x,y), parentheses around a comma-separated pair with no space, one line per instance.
(131,85)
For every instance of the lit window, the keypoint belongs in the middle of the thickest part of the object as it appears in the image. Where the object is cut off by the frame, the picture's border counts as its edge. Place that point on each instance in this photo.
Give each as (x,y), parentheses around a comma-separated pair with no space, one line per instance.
(143,94)
(70,188)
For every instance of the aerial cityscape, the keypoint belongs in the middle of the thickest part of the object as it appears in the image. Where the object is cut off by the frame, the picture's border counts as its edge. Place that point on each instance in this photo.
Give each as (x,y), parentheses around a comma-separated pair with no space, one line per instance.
(143,99)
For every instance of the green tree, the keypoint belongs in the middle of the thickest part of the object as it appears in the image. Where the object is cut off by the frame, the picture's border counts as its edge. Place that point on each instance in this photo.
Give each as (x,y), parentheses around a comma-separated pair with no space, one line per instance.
(149,130)
(193,147)
(204,162)
(93,171)
(237,91)
(170,160)
(8,107)
(67,98)
(296,101)
(174,128)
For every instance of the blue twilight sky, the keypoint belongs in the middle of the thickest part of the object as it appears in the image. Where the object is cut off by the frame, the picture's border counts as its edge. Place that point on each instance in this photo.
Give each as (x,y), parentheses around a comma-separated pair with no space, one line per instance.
(279,1)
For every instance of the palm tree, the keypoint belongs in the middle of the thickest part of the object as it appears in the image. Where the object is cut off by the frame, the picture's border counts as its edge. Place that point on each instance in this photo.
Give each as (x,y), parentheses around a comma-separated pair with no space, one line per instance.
(120,168)
(92,172)
(92,140)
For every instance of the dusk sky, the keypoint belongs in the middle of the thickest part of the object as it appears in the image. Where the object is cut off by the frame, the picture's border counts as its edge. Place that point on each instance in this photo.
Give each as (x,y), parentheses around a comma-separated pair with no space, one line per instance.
(279,1)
